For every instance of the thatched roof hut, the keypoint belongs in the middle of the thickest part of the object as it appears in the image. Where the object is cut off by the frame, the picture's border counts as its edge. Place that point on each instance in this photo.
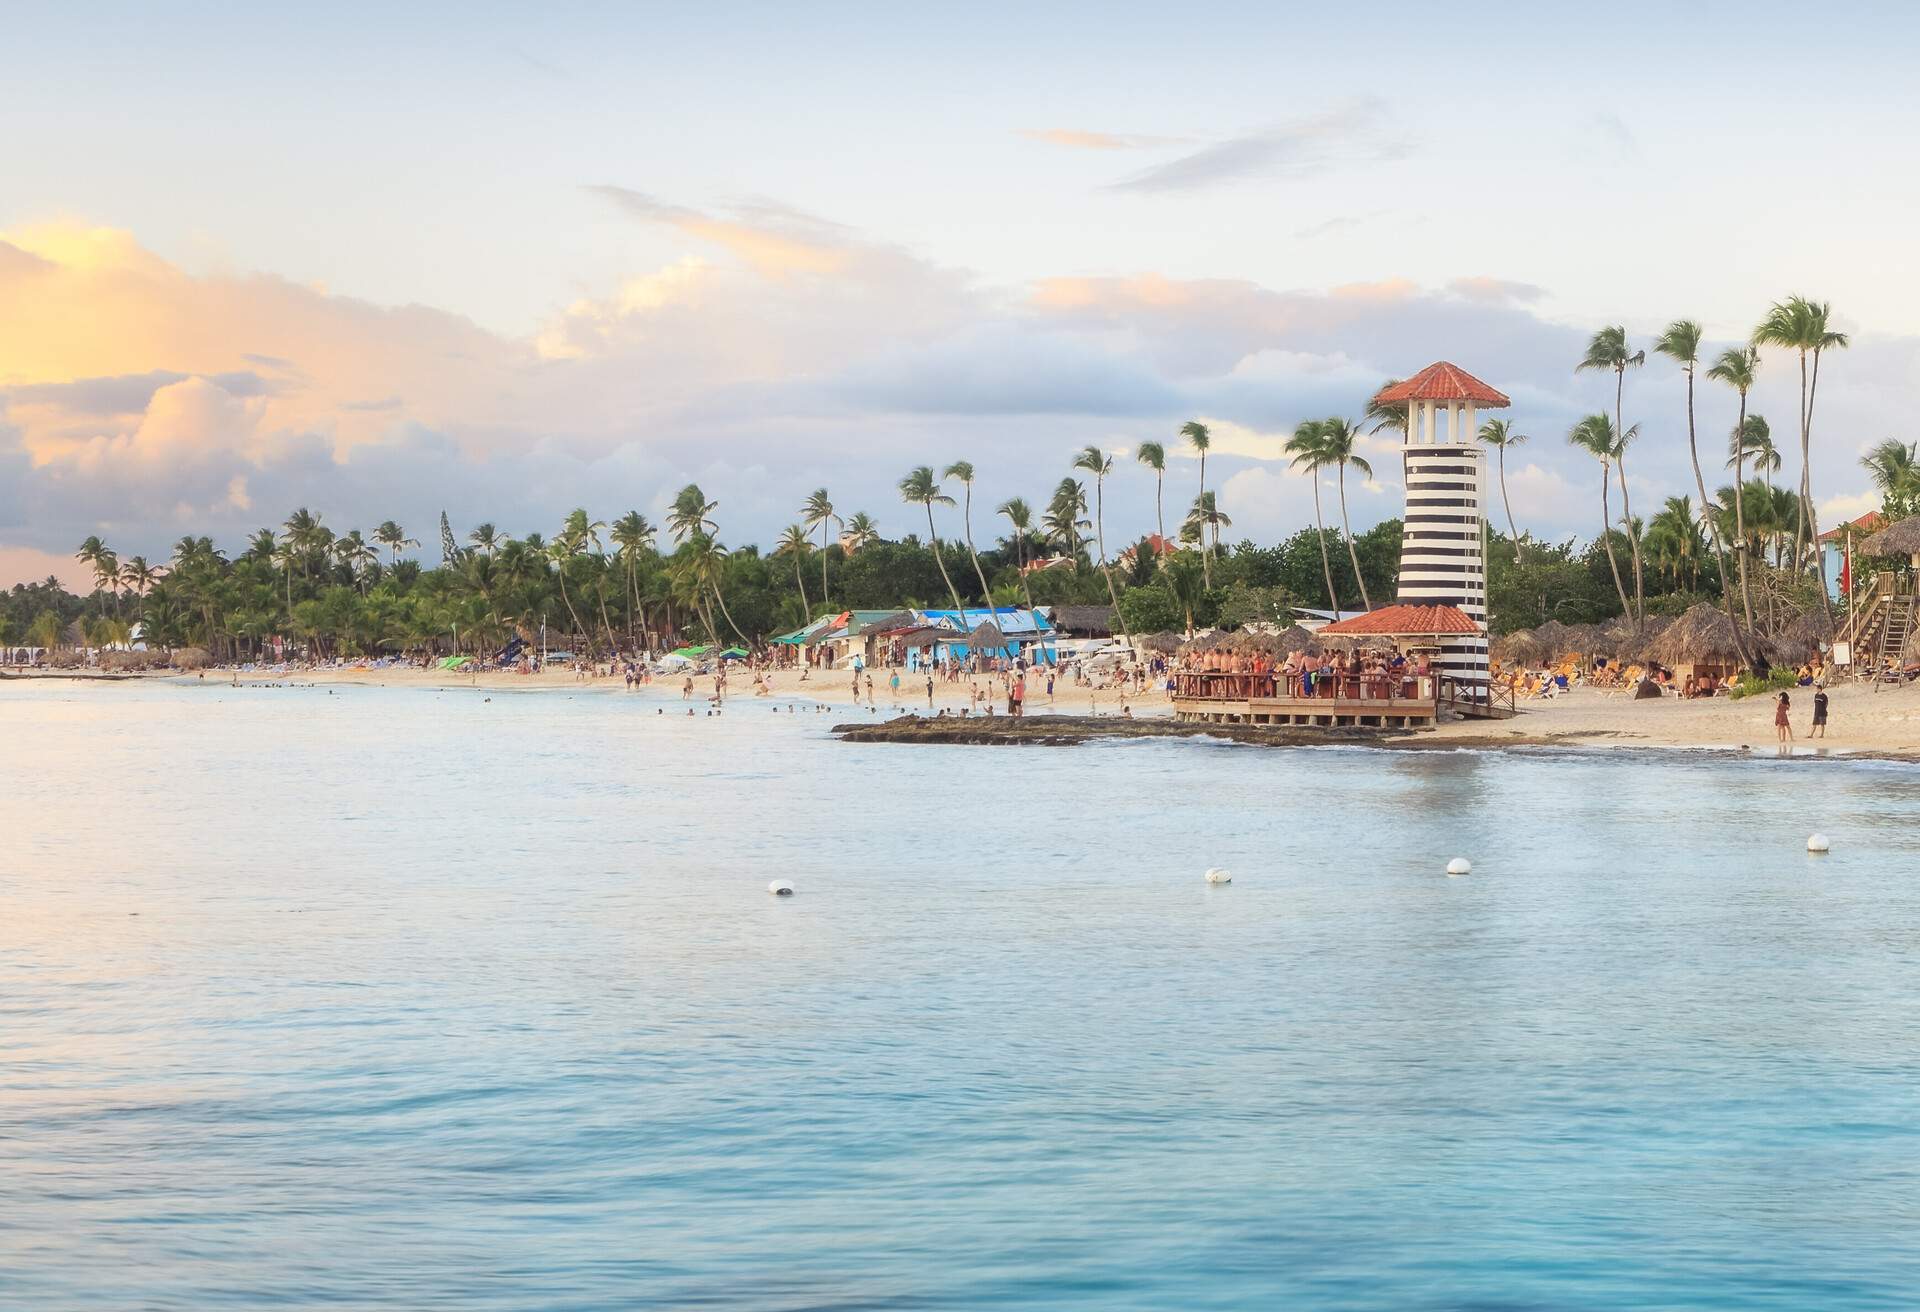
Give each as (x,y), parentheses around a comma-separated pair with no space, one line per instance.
(1805,636)
(1521,647)
(1626,641)
(1299,637)
(1160,644)
(1704,636)
(1898,539)
(986,636)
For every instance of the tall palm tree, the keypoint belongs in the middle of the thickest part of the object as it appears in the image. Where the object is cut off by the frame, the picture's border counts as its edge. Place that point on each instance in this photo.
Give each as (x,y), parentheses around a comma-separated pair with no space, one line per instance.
(1801,325)
(303,531)
(1681,344)
(140,576)
(794,542)
(105,565)
(633,535)
(566,546)
(963,470)
(1595,436)
(1310,451)
(708,561)
(921,488)
(818,513)
(1020,515)
(691,513)
(1341,439)
(1736,368)
(860,531)
(1154,456)
(1100,464)
(1501,434)
(394,538)
(1607,351)
(1200,438)
(356,553)
(1675,543)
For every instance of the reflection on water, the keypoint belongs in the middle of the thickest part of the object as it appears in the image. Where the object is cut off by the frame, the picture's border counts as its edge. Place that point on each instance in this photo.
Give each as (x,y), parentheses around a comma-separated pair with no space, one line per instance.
(403,999)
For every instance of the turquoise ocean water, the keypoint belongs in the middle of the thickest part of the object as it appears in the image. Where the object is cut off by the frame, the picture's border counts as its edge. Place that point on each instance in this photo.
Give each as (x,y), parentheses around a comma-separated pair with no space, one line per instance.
(411,999)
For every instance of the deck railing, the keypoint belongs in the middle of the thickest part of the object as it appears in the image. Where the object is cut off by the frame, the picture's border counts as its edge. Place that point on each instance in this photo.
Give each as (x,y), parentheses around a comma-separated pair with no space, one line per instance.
(1222,685)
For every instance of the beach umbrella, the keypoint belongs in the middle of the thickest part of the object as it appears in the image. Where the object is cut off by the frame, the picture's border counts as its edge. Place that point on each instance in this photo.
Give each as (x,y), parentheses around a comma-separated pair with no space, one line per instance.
(1705,636)
(1898,539)
(1521,647)
(1160,644)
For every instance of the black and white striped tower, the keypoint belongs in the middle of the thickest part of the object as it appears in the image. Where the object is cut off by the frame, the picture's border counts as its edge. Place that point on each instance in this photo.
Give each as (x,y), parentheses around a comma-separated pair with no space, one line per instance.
(1442,554)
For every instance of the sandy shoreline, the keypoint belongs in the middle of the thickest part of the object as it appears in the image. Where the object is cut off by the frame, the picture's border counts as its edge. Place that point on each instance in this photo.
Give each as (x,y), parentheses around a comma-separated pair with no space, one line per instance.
(1885,722)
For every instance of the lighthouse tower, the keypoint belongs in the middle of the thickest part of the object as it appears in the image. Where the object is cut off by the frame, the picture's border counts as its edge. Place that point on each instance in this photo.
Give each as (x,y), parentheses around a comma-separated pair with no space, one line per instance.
(1442,558)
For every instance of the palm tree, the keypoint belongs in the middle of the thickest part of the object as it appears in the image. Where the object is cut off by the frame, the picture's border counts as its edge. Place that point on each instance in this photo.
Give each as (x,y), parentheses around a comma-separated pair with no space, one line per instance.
(486,539)
(1608,351)
(1020,515)
(1311,451)
(859,531)
(794,542)
(394,538)
(356,554)
(1062,522)
(106,566)
(633,535)
(1594,435)
(1100,464)
(1204,517)
(818,513)
(303,531)
(1674,541)
(1736,367)
(1154,456)
(1681,344)
(1200,438)
(921,488)
(1894,469)
(568,544)
(259,546)
(1500,434)
(140,576)
(963,470)
(1800,325)
(1390,417)
(708,562)
(1341,437)
(692,513)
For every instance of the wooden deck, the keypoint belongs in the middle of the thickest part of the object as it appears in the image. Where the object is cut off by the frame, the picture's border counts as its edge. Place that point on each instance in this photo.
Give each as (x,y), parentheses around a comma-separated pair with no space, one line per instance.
(1348,703)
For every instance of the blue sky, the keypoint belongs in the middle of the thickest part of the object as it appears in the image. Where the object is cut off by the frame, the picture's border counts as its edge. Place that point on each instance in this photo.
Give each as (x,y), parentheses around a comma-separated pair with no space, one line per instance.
(513,259)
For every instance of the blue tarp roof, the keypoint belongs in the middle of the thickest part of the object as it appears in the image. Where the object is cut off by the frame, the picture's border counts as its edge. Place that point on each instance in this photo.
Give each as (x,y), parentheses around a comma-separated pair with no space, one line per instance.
(1014,621)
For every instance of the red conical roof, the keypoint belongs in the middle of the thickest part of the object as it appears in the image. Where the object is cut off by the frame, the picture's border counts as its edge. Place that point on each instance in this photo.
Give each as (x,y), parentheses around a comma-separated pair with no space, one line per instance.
(1407,621)
(1442,382)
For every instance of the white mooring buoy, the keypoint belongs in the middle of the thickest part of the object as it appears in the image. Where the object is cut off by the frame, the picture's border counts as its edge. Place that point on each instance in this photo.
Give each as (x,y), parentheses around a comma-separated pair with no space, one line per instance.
(1215,875)
(1818,843)
(1459,866)
(780,888)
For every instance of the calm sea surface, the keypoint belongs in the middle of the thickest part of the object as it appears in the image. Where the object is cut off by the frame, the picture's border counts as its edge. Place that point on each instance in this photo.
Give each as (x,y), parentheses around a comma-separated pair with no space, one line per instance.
(412,999)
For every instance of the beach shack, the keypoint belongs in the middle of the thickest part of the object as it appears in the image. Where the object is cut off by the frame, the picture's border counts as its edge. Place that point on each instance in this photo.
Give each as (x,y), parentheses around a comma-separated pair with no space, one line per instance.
(1003,633)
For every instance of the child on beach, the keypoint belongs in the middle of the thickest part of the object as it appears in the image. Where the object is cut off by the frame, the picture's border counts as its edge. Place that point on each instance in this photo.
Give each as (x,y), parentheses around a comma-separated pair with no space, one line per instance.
(1781,724)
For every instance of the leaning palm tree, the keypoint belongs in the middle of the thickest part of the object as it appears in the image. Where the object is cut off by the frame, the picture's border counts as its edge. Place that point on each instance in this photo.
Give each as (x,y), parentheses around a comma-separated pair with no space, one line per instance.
(633,535)
(1595,436)
(1607,351)
(817,512)
(1500,434)
(1020,515)
(1735,367)
(794,542)
(963,470)
(1310,451)
(1154,456)
(1100,464)
(1681,344)
(921,488)
(1800,325)
(1199,437)
(140,576)
(1341,437)
(394,538)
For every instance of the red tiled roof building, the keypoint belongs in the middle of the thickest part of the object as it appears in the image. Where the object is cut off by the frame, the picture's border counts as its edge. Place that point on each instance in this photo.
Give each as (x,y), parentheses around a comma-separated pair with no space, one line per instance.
(1443,573)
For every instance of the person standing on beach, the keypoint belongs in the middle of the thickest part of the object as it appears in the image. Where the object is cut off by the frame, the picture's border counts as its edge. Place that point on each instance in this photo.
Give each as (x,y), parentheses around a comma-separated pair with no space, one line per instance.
(1819,729)
(893,687)
(869,690)
(1782,725)
(929,689)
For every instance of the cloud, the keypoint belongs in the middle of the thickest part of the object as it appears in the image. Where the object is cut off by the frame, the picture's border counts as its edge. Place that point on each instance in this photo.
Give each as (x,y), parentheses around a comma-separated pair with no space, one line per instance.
(1357,133)
(1495,291)
(1081,139)
(776,241)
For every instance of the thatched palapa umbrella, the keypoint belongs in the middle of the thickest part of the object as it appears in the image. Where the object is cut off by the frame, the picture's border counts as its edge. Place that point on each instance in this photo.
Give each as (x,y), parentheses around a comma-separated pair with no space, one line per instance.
(1521,647)
(1899,539)
(1805,636)
(1702,636)
(1160,644)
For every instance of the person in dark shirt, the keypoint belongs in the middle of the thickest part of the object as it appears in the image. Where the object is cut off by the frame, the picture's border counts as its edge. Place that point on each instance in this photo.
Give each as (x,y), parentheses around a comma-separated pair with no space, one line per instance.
(1819,713)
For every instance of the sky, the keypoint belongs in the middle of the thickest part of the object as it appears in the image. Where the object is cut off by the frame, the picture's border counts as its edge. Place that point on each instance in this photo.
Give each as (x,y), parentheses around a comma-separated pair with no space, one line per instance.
(501,261)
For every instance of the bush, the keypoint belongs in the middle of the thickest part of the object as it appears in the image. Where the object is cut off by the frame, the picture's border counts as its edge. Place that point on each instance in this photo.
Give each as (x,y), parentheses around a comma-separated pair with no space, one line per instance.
(1779,680)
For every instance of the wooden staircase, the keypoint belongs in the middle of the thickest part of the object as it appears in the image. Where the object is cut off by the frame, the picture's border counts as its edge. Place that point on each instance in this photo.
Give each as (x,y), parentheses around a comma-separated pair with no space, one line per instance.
(1879,626)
